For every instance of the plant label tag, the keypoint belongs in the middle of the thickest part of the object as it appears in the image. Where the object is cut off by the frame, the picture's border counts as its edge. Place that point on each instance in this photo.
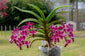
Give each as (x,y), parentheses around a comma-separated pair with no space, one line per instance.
(43,43)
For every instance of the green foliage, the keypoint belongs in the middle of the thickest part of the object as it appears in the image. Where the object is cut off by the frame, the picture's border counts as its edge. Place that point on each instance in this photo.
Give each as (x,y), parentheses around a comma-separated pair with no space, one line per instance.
(49,17)
(30,12)
(30,19)
(39,10)
(35,40)
(41,31)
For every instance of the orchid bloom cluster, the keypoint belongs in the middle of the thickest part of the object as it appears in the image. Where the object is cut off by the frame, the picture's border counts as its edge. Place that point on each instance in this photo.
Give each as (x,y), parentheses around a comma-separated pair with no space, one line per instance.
(19,35)
(3,7)
(64,31)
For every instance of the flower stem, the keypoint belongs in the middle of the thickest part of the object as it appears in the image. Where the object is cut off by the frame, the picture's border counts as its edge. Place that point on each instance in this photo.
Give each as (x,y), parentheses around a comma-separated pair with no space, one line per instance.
(46,34)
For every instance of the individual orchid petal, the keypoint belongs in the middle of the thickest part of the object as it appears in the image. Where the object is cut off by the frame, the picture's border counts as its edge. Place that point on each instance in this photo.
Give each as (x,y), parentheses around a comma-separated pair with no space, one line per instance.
(20,48)
(65,45)
(27,44)
(73,39)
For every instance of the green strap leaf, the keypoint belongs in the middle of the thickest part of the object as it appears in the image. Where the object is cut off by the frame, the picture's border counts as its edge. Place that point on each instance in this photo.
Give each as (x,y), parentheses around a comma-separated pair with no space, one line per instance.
(41,30)
(40,35)
(57,13)
(53,22)
(48,17)
(35,40)
(30,12)
(29,19)
(62,12)
(38,9)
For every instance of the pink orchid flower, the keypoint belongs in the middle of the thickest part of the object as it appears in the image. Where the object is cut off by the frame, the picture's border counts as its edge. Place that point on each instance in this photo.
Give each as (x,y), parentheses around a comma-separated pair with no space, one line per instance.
(61,32)
(20,34)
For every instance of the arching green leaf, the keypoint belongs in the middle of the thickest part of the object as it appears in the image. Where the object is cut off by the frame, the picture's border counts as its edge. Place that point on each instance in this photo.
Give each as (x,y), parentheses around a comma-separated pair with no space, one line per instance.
(40,35)
(35,40)
(53,22)
(48,17)
(57,13)
(39,10)
(30,12)
(29,19)
(41,30)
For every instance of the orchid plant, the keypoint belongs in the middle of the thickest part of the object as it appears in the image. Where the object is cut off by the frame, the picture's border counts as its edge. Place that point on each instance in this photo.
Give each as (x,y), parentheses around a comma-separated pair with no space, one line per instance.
(46,30)
(3,7)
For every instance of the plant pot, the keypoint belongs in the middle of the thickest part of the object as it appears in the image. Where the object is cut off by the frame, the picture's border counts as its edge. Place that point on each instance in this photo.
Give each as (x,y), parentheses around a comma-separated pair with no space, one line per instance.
(46,51)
